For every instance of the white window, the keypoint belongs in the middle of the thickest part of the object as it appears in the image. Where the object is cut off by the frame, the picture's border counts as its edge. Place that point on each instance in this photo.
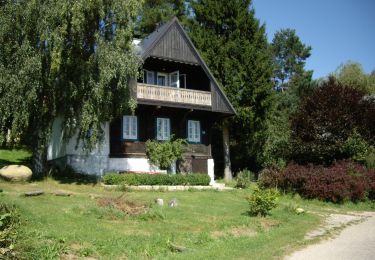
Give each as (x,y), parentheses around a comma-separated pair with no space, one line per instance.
(174,79)
(162,79)
(163,129)
(130,128)
(150,77)
(194,131)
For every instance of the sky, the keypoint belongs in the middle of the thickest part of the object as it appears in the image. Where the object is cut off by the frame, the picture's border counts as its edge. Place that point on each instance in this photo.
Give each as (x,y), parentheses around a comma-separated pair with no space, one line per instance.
(337,30)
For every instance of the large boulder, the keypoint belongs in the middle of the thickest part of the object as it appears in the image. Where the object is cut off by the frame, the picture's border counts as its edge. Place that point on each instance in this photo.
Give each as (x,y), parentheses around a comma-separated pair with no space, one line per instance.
(16,173)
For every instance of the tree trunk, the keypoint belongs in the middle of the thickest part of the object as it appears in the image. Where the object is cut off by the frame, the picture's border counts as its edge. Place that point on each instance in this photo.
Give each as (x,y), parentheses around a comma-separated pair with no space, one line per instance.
(227,164)
(39,162)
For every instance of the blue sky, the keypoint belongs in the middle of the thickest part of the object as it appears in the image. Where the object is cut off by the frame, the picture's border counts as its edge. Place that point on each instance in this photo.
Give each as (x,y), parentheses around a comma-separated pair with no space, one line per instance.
(337,30)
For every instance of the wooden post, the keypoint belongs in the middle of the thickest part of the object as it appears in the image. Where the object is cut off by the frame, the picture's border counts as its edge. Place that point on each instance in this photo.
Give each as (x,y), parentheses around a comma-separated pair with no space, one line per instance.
(227,163)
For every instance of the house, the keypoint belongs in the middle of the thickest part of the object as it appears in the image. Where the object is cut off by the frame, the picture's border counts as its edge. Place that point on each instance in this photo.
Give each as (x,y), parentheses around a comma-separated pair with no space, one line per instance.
(177,95)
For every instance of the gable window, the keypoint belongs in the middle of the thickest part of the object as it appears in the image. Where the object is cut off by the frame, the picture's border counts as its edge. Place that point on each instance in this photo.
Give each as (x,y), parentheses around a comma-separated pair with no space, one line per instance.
(162,79)
(150,77)
(163,128)
(130,128)
(194,131)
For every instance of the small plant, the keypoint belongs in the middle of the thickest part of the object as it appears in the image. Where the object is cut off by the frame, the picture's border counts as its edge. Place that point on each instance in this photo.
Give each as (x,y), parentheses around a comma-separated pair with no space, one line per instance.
(262,201)
(244,179)
(163,154)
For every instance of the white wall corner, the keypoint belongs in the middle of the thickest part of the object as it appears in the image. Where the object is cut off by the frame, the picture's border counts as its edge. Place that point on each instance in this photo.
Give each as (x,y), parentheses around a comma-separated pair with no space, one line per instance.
(210,170)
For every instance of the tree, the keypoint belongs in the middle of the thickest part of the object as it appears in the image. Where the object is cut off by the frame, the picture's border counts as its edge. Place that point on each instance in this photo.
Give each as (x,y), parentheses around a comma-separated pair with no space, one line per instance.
(63,58)
(233,43)
(155,12)
(290,55)
(327,119)
(351,74)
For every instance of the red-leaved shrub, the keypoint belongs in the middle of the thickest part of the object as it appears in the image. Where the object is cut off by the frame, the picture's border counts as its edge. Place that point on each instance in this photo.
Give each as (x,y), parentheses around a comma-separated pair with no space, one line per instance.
(344,180)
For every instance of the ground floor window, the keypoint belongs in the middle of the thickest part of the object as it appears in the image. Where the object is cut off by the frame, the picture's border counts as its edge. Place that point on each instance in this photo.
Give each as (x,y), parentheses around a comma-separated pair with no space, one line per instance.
(194,131)
(163,128)
(130,128)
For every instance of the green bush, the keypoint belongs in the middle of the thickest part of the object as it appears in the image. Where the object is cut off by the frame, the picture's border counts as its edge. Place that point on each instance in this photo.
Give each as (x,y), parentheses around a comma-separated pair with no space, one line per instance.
(163,154)
(262,201)
(156,179)
(244,179)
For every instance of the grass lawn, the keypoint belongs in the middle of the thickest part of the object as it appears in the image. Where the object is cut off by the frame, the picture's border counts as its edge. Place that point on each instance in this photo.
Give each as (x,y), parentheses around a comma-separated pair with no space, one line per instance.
(205,224)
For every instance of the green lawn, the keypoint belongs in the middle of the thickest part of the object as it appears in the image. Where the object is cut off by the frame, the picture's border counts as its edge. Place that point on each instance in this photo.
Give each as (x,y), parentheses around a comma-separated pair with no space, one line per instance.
(206,224)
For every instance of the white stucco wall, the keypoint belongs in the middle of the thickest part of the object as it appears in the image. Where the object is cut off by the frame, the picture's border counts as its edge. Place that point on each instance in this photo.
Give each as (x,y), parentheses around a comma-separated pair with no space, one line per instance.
(131,164)
(56,147)
(210,170)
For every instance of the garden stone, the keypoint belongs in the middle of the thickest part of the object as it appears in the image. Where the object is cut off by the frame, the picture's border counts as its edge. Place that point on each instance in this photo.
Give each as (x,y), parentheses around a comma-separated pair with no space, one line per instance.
(34,193)
(160,202)
(300,210)
(173,203)
(16,173)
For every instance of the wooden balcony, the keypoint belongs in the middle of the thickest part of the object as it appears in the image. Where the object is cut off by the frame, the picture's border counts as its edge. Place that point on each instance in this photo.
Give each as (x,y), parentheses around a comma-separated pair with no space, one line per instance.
(174,95)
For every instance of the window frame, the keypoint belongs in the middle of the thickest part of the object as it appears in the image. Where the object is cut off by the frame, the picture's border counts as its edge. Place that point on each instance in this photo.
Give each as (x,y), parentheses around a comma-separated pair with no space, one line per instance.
(177,82)
(163,137)
(130,136)
(194,123)
(166,77)
(147,72)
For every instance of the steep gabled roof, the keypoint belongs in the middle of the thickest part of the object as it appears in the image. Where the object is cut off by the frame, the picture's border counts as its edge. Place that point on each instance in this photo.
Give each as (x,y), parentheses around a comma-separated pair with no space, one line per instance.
(171,42)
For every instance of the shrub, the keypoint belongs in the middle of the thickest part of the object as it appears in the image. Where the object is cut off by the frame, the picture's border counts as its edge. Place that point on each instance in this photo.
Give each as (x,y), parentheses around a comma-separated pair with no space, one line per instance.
(344,180)
(262,201)
(163,154)
(244,179)
(268,178)
(156,179)
(9,222)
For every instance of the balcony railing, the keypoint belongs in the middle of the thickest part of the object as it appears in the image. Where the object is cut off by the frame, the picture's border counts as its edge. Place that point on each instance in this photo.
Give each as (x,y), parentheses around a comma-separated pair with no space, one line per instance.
(175,95)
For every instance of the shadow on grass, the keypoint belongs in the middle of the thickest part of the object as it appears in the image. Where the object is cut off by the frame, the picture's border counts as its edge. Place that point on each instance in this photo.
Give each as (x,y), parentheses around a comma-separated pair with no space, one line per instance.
(25,161)
(79,179)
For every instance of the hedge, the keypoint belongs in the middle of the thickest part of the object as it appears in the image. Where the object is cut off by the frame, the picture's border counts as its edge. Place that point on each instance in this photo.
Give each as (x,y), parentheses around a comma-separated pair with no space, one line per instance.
(344,180)
(156,179)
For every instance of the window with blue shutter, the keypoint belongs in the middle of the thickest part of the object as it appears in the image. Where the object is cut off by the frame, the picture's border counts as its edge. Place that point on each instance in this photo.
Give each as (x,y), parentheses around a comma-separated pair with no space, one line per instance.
(130,128)
(194,131)
(163,129)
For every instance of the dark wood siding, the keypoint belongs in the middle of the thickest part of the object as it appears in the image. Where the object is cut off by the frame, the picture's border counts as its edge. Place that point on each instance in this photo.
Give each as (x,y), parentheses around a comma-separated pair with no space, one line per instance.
(219,104)
(196,154)
(173,46)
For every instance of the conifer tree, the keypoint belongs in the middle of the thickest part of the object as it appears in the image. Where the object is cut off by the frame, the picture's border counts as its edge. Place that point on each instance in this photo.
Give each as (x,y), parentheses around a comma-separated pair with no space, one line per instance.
(233,43)
(155,12)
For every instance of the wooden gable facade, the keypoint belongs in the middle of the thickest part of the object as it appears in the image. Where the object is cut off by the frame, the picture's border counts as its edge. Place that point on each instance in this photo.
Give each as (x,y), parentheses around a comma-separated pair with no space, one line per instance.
(177,95)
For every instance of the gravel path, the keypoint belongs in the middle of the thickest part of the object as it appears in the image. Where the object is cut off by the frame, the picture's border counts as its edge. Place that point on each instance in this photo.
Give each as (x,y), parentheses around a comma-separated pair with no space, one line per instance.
(355,242)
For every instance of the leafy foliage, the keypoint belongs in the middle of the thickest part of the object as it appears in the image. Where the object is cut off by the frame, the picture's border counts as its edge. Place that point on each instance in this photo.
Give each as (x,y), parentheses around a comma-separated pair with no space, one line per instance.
(234,45)
(156,179)
(352,75)
(358,149)
(344,180)
(164,153)
(326,119)
(262,201)
(9,222)
(64,58)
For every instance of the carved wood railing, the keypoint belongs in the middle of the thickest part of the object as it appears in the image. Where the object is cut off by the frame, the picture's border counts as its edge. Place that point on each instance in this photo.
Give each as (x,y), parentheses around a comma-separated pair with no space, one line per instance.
(175,95)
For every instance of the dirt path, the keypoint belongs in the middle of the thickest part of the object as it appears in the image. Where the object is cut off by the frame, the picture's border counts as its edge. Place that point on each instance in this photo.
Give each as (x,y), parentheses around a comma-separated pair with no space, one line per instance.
(356,241)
